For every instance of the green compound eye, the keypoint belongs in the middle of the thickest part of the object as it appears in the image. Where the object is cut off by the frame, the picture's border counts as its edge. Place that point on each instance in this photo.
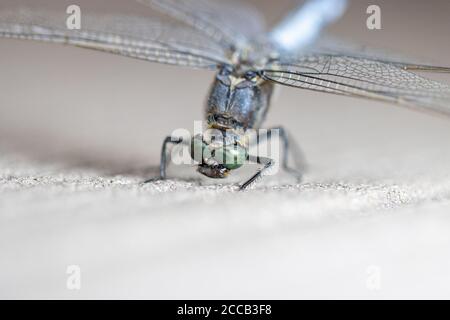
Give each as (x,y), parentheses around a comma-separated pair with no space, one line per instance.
(231,157)
(197,148)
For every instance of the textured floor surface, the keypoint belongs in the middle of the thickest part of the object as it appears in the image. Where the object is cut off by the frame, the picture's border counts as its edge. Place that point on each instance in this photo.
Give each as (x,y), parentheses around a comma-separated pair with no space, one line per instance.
(177,239)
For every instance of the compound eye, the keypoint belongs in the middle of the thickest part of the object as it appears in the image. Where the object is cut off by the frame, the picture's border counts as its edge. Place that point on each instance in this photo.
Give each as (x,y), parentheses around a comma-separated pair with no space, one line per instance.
(250,75)
(224,75)
(197,148)
(231,157)
(225,71)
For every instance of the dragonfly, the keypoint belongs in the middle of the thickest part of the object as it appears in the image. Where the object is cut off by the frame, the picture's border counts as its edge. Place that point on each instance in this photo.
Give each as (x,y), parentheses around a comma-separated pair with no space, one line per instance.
(249,62)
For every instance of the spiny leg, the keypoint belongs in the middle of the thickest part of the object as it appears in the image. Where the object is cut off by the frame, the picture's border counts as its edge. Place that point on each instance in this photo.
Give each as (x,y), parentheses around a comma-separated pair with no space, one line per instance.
(163,162)
(266,162)
(287,144)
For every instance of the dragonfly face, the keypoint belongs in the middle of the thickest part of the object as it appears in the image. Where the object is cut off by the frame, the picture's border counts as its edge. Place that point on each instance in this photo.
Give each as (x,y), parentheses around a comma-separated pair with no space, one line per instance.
(238,101)
(218,152)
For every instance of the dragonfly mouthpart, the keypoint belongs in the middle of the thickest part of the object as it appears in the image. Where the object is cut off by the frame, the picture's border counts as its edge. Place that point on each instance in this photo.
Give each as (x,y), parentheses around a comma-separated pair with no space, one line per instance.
(216,171)
(221,121)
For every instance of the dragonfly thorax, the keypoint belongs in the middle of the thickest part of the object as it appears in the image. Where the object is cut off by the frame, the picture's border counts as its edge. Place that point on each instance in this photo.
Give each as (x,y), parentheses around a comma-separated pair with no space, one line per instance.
(238,100)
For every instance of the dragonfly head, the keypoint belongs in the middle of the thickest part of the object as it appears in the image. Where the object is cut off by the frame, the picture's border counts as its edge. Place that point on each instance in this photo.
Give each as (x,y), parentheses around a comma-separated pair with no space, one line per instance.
(218,153)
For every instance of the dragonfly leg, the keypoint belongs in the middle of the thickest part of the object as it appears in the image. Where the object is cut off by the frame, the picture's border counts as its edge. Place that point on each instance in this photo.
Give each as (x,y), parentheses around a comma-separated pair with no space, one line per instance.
(267,163)
(289,145)
(163,162)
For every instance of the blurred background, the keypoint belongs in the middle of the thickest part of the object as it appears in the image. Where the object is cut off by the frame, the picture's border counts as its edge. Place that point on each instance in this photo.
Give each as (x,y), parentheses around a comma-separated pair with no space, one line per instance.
(101,115)
(86,107)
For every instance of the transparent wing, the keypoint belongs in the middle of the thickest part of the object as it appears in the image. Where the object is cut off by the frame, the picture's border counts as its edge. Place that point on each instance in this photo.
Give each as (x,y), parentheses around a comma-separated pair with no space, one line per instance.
(365,78)
(129,36)
(338,47)
(232,23)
